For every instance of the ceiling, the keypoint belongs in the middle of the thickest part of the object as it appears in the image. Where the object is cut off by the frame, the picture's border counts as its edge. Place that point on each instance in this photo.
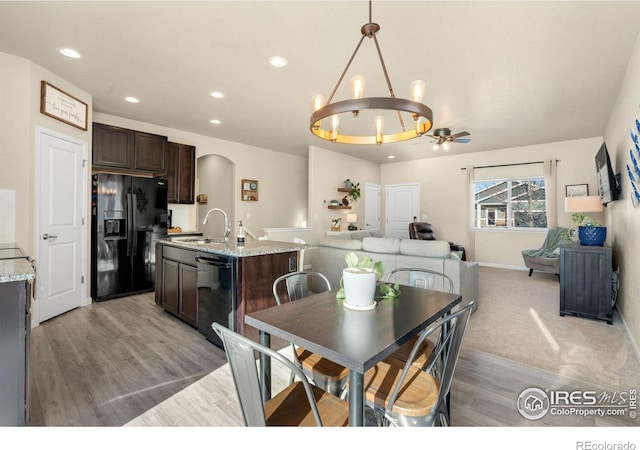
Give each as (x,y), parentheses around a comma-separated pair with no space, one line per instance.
(510,73)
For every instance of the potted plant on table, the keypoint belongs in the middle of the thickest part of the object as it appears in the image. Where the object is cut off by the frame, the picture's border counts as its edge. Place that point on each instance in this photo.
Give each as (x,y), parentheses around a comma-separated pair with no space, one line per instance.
(359,283)
(335,224)
(586,230)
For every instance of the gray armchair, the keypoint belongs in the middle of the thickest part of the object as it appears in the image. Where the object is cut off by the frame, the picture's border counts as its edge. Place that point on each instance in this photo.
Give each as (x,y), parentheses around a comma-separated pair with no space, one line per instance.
(547,257)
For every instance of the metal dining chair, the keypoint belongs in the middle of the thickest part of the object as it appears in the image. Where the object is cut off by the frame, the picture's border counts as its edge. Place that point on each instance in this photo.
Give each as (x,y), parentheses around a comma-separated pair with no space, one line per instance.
(403,395)
(425,279)
(323,373)
(299,404)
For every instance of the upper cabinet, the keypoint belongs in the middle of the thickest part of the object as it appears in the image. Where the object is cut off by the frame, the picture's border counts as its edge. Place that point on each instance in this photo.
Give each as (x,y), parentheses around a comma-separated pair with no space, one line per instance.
(128,151)
(181,173)
(150,153)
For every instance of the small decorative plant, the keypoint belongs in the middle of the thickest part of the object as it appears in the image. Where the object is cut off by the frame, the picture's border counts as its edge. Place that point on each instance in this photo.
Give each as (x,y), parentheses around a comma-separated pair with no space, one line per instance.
(366,263)
(580,220)
(355,189)
(335,224)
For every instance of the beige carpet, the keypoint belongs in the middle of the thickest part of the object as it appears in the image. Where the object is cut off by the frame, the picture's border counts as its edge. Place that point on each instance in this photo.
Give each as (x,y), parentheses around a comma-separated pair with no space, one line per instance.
(518,318)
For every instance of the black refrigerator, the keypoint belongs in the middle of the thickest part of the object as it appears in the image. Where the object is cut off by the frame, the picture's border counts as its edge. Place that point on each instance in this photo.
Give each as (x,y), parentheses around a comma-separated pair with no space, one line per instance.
(128,215)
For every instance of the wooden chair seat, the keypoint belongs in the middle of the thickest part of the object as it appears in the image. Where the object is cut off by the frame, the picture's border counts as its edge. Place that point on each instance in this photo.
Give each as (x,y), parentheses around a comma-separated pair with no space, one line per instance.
(418,394)
(425,351)
(322,367)
(327,375)
(290,407)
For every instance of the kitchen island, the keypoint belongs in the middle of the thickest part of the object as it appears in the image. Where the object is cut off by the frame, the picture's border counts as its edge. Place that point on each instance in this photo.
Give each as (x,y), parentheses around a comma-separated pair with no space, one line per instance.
(202,280)
(16,278)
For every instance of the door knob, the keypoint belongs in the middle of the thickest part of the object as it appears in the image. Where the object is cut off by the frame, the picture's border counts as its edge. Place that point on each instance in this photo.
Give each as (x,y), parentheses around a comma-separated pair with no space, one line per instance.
(49,236)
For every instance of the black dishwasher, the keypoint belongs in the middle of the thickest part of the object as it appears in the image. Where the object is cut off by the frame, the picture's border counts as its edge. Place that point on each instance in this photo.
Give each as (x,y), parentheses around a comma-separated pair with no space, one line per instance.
(217,282)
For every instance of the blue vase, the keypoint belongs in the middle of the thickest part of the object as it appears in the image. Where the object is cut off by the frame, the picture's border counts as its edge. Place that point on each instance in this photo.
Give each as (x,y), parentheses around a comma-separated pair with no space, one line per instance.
(590,235)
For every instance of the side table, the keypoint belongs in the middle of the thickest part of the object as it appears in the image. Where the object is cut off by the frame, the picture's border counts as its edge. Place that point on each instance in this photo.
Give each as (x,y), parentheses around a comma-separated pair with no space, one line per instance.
(585,282)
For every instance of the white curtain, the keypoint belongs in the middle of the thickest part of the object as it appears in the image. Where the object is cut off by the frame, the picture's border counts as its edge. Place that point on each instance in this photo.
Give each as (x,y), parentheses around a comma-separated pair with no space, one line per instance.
(550,182)
(471,246)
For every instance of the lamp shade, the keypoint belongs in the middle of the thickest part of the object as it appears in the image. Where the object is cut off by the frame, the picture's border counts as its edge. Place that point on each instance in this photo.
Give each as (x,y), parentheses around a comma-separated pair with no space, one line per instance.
(586,203)
(352,218)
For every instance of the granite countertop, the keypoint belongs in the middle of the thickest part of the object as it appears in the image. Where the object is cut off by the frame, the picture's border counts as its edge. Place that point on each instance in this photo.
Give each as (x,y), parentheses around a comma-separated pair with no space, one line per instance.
(251,247)
(16,270)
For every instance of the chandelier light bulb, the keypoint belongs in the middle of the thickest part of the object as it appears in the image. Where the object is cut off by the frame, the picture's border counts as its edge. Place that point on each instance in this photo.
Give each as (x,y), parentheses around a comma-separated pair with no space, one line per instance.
(317,101)
(357,86)
(379,121)
(335,121)
(417,90)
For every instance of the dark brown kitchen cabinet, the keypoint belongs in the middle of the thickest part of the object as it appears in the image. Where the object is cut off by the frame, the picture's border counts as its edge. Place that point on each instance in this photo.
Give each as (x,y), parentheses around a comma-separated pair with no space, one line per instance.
(158,286)
(179,284)
(150,153)
(170,285)
(188,301)
(256,275)
(181,173)
(121,150)
(112,147)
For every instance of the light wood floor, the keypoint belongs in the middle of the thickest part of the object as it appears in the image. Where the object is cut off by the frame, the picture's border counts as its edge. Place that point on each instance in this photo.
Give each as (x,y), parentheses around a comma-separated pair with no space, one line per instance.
(127,362)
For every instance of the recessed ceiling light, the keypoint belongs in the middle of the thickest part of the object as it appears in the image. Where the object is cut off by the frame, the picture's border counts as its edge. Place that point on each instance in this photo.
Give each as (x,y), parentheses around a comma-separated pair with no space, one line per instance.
(132,100)
(278,61)
(216,94)
(391,157)
(215,121)
(71,53)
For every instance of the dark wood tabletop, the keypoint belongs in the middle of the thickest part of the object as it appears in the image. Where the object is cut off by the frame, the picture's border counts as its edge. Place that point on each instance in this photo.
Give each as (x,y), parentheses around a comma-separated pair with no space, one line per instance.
(355,339)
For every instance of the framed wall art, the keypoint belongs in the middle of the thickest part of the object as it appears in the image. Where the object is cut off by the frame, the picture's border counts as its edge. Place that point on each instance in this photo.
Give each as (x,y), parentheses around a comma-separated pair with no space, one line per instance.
(577,190)
(250,190)
(62,106)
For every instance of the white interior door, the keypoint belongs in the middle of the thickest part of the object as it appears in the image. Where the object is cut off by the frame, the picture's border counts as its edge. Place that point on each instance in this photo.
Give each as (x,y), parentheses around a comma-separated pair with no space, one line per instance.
(61,264)
(371,207)
(402,206)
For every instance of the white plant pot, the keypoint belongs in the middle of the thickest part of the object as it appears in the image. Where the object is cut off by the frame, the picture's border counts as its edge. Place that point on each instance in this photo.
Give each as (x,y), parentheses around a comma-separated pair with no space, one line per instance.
(359,288)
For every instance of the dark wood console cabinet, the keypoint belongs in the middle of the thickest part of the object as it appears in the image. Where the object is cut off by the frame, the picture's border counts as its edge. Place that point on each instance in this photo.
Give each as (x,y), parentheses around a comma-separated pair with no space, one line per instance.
(181,173)
(585,282)
(128,151)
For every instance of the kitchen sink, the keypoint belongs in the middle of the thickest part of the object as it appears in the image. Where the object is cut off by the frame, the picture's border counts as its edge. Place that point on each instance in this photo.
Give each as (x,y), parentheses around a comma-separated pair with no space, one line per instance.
(201,240)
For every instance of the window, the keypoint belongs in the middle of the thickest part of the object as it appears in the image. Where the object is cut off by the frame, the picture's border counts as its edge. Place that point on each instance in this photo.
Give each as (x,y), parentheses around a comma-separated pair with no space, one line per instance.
(510,203)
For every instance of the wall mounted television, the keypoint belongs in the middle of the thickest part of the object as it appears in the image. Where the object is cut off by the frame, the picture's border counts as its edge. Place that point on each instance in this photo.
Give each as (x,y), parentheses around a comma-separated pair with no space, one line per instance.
(608,182)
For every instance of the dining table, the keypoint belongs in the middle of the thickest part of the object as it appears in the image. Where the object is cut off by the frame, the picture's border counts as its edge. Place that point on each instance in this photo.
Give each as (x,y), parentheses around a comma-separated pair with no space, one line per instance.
(356,339)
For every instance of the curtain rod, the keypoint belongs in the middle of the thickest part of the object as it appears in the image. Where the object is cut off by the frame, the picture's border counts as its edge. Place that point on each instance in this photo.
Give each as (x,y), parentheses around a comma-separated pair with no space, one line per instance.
(507,165)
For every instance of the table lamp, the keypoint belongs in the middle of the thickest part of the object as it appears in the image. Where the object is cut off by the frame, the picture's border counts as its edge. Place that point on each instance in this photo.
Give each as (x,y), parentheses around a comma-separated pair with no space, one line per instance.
(588,233)
(351,220)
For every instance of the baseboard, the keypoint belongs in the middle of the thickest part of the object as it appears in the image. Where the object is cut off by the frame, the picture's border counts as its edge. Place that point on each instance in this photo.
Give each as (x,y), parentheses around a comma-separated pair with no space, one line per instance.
(503,266)
(634,344)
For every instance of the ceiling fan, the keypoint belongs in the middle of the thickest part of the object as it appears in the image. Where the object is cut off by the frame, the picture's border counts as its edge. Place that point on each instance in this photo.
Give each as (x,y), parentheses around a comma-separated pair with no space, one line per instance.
(442,138)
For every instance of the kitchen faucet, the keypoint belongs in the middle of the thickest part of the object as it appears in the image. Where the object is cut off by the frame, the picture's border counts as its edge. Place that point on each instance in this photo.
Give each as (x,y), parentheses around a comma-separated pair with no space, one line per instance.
(227,229)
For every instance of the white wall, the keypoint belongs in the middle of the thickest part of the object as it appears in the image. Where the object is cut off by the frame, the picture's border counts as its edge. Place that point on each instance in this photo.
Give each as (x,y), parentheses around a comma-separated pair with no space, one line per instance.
(622,219)
(327,172)
(443,186)
(282,178)
(19,117)
(16,151)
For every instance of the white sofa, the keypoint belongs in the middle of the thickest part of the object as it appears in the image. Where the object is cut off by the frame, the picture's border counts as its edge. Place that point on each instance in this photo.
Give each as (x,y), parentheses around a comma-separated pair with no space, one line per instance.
(328,257)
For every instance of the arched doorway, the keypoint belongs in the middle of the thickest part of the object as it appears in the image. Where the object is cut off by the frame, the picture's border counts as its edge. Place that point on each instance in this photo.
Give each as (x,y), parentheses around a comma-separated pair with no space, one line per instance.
(215,179)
